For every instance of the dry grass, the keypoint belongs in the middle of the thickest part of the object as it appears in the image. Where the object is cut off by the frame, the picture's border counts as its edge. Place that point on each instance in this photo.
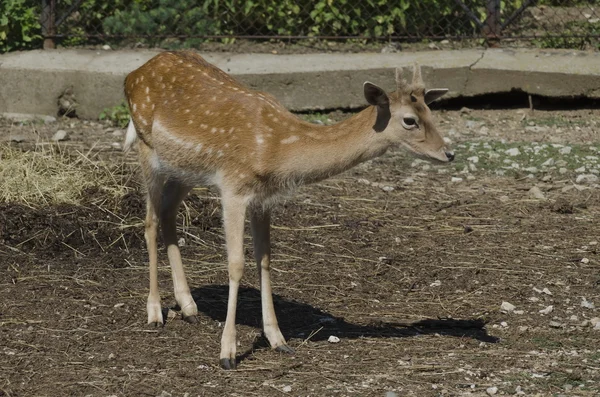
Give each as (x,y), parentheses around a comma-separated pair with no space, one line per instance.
(51,176)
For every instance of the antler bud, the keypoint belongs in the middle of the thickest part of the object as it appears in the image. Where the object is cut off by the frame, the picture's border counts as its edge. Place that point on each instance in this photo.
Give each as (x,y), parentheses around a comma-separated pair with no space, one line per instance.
(417,74)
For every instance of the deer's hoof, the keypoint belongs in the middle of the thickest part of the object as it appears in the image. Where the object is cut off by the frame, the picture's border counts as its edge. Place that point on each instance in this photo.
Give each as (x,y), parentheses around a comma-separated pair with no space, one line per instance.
(190,319)
(285,349)
(228,363)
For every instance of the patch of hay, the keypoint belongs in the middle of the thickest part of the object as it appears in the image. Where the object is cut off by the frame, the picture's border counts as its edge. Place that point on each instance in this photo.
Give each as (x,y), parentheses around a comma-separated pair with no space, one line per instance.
(49,176)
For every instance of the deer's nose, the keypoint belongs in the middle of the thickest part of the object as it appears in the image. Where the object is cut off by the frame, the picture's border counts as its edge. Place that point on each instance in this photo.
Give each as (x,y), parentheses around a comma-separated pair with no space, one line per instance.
(450,155)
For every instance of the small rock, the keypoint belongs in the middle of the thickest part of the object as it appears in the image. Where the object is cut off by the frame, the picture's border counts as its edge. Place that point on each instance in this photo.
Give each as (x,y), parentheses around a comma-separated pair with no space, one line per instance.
(436,283)
(519,391)
(562,170)
(587,178)
(580,169)
(513,151)
(587,304)
(286,389)
(111,356)
(491,390)
(60,135)
(465,110)
(519,312)
(546,291)
(471,124)
(181,242)
(565,150)
(533,170)
(547,310)
(408,181)
(116,145)
(364,181)
(595,321)
(387,188)
(119,305)
(536,193)
(117,133)
(333,339)
(522,328)
(535,128)
(555,324)
(504,324)
(585,260)
(106,47)
(568,387)
(17,138)
(473,159)
(456,179)
(548,162)
(507,307)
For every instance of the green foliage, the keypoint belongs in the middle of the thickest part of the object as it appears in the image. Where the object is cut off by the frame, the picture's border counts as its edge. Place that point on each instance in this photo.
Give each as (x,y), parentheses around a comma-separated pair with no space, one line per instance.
(576,34)
(118,115)
(160,19)
(19,25)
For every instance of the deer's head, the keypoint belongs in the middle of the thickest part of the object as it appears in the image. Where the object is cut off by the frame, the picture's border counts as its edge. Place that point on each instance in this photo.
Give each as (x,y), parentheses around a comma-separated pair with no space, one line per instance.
(405,119)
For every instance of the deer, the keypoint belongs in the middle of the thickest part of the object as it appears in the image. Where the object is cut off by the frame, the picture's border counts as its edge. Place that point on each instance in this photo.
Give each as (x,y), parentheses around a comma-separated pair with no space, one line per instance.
(196,125)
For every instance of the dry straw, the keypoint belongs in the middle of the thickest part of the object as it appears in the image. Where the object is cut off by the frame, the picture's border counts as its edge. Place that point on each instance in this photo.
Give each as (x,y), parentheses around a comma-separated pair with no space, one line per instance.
(50,176)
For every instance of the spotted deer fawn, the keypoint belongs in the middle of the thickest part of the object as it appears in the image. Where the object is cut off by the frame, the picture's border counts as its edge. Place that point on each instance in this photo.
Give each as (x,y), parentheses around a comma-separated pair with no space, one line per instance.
(197,125)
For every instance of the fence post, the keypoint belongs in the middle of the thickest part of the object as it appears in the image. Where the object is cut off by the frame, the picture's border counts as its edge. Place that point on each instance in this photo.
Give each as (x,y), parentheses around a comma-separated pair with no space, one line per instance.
(493,27)
(48,18)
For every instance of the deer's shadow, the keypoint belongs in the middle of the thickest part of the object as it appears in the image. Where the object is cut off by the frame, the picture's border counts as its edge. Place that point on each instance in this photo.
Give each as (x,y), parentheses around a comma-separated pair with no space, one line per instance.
(302,321)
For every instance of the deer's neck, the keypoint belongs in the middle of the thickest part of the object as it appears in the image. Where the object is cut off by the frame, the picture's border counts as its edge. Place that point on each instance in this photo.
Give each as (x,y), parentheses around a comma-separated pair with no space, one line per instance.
(324,151)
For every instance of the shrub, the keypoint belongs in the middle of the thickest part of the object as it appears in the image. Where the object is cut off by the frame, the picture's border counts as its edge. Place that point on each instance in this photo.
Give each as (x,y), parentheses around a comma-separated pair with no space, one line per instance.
(19,25)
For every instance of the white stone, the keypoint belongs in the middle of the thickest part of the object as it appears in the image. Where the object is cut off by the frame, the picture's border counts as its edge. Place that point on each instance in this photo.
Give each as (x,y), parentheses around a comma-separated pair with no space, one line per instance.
(562,170)
(456,179)
(333,339)
(60,135)
(565,150)
(587,304)
(547,310)
(513,151)
(436,283)
(580,169)
(546,291)
(507,307)
(548,162)
(473,159)
(536,193)
(287,389)
(491,390)
(408,180)
(585,260)
(587,178)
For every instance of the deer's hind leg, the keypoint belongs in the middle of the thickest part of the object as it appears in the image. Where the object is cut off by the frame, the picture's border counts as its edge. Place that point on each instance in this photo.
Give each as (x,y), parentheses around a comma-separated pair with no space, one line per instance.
(173,193)
(154,183)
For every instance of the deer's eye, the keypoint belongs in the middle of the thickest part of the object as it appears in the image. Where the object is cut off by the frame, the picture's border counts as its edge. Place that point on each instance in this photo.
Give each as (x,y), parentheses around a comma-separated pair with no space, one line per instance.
(410,122)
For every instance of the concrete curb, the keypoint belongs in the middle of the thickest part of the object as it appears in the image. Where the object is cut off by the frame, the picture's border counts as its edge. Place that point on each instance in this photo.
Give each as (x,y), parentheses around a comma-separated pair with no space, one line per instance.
(31,82)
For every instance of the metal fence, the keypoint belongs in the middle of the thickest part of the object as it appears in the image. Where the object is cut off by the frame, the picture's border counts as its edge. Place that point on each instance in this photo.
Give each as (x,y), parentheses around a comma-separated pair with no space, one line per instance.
(186,23)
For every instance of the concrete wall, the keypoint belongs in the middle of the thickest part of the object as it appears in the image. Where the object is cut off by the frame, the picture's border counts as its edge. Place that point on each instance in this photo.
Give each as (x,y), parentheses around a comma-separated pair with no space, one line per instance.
(31,82)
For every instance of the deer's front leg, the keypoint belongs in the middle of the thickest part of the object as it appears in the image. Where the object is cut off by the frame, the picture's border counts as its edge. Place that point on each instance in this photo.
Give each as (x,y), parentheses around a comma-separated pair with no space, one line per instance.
(234,212)
(260,222)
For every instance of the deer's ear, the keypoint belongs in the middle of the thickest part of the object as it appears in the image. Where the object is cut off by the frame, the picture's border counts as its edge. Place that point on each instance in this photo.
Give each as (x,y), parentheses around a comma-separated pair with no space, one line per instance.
(377,97)
(434,93)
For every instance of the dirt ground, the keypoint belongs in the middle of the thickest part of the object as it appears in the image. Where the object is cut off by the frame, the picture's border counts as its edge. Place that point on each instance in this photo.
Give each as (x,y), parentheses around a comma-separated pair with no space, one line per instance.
(407,264)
